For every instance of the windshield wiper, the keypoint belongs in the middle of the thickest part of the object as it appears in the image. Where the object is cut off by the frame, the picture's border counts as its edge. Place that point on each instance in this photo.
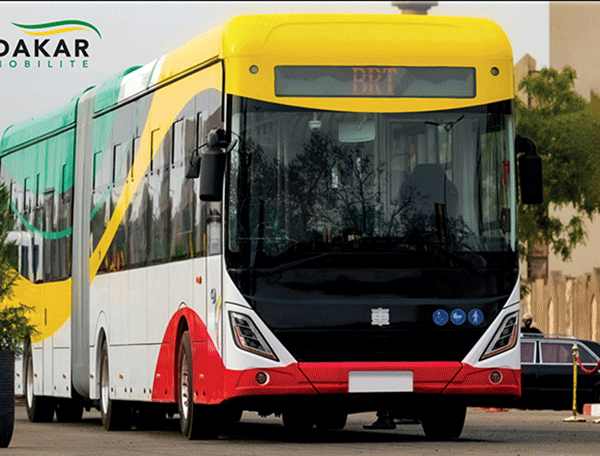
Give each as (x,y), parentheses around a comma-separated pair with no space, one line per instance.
(447,125)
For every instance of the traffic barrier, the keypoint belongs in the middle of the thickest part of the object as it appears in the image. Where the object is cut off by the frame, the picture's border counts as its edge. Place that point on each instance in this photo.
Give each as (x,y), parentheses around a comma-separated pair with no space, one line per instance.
(575,418)
(591,409)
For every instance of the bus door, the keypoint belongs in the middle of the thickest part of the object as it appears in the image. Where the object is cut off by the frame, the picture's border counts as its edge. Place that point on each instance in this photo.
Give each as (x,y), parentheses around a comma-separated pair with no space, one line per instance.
(214,298)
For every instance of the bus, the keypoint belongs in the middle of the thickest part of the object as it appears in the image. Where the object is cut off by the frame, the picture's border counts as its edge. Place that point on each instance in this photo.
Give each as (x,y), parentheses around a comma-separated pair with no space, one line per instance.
(302,215)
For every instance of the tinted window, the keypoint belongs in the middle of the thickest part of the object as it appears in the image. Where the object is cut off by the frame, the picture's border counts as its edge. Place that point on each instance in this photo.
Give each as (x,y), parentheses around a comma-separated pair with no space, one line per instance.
(557,352)
(527,350)
(585,355)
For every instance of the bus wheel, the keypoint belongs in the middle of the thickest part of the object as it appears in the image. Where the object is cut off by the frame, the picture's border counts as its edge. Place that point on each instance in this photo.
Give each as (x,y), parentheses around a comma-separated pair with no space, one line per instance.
(197,421)
(149,417)
(297,420)
(445,421)
(116,415)
(68,410)
(232,415)
(40,409)
(331,420)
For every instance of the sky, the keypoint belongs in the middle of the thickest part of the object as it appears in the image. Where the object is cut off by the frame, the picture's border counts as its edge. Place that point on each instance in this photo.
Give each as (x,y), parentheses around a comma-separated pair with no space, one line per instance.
(136,33)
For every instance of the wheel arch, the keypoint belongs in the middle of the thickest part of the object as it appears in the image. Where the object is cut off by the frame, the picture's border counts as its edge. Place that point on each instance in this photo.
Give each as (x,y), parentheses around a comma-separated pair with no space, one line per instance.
(166,374)
(101,336)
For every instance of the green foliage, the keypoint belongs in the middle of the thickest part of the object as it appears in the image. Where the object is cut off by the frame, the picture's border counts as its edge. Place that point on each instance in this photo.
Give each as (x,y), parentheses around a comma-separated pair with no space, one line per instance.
(8,250)
(15,329)
(566,136)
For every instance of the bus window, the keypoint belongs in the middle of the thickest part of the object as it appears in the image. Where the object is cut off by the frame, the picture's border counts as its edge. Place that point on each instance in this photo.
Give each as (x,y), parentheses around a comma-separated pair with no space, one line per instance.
(49,245)
(160,207)
(182,194)
(137,239)
(25,261)
(119,163)
(117,260)
(135,146)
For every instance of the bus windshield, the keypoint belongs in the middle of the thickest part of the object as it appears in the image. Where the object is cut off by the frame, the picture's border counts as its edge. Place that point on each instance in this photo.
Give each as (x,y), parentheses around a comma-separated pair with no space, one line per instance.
(305,182)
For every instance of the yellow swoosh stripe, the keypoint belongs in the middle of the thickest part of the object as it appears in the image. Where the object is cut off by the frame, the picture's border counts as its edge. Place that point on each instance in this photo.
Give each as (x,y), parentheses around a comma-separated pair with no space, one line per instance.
(52,301)
(167,103)
(54,32)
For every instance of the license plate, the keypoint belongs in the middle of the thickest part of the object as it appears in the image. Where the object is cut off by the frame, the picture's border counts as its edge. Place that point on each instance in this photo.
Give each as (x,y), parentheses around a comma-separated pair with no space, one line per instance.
(380,381)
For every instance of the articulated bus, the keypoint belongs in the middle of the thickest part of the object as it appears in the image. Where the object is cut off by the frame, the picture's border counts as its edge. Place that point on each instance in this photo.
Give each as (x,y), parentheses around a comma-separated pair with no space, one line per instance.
(302,215)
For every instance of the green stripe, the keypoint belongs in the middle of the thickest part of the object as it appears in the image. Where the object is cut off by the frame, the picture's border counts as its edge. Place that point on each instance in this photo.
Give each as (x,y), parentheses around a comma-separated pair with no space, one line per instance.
(44,234)
(58,23)
(123,161)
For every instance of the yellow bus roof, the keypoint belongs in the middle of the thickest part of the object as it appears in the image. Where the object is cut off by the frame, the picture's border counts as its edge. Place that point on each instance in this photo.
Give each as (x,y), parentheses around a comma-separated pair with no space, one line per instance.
(348,35)
(351,39)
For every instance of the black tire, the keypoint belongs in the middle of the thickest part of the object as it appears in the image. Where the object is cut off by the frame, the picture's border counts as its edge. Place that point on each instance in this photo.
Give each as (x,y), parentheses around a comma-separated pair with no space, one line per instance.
(197,421)
(335,420)
(297,420)
(149,417)
(116,415)
(446,422)
(40,409)
(232,414)
(69,410)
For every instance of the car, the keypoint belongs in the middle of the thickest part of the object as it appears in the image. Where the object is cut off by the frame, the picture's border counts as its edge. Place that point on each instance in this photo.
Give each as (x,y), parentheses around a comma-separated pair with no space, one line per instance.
(547,372)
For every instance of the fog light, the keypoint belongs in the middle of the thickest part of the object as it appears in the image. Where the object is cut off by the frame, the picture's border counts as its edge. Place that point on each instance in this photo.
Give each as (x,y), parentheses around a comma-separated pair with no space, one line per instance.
(495,377)
(262,378)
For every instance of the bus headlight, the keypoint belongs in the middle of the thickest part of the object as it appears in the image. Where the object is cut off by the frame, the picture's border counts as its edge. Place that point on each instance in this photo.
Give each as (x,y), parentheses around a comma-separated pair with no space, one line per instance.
(247,336)
(505,338)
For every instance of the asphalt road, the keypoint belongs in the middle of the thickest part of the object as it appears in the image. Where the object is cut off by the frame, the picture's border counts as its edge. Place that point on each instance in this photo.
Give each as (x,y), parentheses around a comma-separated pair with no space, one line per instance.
(512,432)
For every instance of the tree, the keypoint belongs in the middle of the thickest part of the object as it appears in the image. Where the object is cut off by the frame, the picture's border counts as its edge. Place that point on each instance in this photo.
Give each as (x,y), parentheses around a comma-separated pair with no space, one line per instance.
(8,250)
(558,120)
(15,328)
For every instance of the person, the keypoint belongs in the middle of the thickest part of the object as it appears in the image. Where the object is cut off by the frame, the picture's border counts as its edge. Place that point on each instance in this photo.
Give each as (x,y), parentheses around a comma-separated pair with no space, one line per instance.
(527,325)
(384,421)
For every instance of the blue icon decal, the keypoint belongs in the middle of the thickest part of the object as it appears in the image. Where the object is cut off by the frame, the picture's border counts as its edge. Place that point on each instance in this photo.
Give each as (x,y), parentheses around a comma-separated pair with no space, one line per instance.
(458,317)
(475,317)
(440,317)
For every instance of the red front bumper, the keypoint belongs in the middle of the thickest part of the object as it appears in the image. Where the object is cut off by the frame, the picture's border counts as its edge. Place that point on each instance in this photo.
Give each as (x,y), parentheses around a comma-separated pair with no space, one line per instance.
(332,378)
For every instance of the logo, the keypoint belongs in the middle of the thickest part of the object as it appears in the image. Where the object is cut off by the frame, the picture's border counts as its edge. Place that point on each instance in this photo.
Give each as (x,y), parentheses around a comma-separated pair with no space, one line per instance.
(380,316)
(458,317)
(52,28)
(440,317)
(475,317)
(45,48)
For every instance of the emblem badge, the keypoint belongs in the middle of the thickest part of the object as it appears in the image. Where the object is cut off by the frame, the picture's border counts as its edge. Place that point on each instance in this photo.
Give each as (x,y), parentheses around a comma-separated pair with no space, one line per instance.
(475,317)
(380,316)
(440,317)
(458,317)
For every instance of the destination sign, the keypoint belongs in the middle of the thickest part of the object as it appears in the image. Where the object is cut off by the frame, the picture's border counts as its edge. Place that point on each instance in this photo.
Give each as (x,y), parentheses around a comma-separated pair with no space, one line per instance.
(375,81)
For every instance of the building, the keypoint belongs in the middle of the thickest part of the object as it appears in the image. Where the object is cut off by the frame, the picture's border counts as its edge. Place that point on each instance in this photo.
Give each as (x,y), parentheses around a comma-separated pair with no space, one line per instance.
(564,295)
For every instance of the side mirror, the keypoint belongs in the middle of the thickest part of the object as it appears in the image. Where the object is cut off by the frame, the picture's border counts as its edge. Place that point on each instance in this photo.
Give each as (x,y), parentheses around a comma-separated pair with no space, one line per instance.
(530,171)
(193,170)
(212,170)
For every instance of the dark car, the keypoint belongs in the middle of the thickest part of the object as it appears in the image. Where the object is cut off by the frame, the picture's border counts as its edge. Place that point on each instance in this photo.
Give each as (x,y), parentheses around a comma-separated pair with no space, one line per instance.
(547,372)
